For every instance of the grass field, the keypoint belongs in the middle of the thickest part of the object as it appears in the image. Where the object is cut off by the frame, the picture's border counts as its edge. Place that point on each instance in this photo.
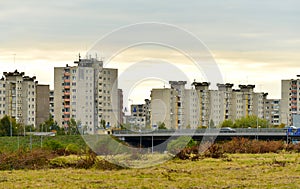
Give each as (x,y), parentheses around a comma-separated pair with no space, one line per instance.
(13,143)
(235,171)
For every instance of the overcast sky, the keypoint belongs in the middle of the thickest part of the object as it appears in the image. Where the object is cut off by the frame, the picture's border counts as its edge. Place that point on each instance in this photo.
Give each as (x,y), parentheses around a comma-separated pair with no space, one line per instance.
(255,42)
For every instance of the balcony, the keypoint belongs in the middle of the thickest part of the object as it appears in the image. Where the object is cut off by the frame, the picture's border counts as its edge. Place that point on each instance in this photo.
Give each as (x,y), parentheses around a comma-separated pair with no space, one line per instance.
(66,119)
(67,87)
(66,105)
(294,91)
(67,100)
(67,74)
(67,93)
(67,80)
(66,113)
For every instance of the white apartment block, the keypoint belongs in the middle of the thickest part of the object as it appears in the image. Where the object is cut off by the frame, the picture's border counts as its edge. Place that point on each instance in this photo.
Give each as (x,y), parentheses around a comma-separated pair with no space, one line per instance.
(140,115)
(18,98)
(87,93)
(201,106)
(192,110)
(290,100)
(272,111)
(3,91)
(164,107)
(179,86)
(51,103)
(203,102)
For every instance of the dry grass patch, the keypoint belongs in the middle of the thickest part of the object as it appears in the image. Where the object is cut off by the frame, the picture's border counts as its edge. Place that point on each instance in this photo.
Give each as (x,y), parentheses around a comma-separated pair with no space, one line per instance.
(235,171)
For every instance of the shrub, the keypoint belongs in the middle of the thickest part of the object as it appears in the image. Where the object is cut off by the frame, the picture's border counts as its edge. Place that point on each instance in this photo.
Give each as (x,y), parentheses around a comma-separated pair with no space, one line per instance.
(189,153)
(72,149)
(22,159)
(177,145)
(53,145)
(214,151)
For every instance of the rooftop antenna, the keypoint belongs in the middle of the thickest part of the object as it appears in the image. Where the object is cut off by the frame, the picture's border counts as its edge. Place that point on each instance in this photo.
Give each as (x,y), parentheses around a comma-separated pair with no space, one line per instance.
(79,56)
(96,56)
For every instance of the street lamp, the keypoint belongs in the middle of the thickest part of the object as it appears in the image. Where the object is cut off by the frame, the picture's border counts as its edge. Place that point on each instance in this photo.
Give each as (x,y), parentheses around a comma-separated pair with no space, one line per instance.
(10,127)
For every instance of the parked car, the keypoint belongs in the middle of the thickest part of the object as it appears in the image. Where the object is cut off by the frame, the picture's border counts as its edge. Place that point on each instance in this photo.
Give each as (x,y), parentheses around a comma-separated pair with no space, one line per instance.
(290,127)
(227,130)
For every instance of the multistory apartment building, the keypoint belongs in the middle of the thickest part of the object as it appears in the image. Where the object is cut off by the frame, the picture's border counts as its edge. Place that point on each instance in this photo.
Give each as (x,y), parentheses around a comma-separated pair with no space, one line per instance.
(88,93)
(221,103)
(272,111)
(140,115)
(192,110)
(201,106)
(51,103)
(42,103)
(232,104)
(120,106)
(179,86)
(3,105)
(20,96)
(290,100)
(164,107)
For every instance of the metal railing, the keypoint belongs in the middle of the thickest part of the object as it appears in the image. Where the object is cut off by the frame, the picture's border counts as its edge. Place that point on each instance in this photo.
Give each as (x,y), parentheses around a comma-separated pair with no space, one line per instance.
(208,130)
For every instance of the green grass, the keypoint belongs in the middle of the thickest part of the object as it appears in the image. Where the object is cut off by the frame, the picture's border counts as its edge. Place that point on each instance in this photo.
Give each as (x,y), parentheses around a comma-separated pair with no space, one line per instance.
(236,171)
(13,143)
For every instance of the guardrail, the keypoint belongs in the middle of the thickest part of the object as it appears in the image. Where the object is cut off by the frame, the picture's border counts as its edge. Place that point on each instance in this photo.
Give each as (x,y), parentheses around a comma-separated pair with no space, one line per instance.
(208,130)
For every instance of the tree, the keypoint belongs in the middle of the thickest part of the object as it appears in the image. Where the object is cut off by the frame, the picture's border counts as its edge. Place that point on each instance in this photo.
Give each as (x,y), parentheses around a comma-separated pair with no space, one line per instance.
(211,124)
(227,123)
(250,121)
(102,123)
(50,125)
(7,124)
(72,127)
(162,125)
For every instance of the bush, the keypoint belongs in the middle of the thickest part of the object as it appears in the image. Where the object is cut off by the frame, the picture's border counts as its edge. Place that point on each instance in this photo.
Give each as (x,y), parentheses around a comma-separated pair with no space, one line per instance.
(244,145)
(179,144)
(214,151)
(53,145)
(22,159)
(72,149)
(189,153)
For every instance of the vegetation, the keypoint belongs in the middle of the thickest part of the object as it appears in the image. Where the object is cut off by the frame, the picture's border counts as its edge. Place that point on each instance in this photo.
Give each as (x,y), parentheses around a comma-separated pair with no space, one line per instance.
(26,142)
(162,125)
(235,171)
(175,146)
(8,126)
(251,121)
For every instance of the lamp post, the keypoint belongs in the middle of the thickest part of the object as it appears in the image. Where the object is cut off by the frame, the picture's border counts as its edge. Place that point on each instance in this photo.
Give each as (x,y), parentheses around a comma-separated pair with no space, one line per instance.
(257,127)
(287,131)
(10,127)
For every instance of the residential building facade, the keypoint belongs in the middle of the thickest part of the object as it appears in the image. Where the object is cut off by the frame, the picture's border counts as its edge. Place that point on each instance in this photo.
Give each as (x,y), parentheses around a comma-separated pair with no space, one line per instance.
(87,93)
(202,107)
(21,96)
(290,100)
(164,107)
